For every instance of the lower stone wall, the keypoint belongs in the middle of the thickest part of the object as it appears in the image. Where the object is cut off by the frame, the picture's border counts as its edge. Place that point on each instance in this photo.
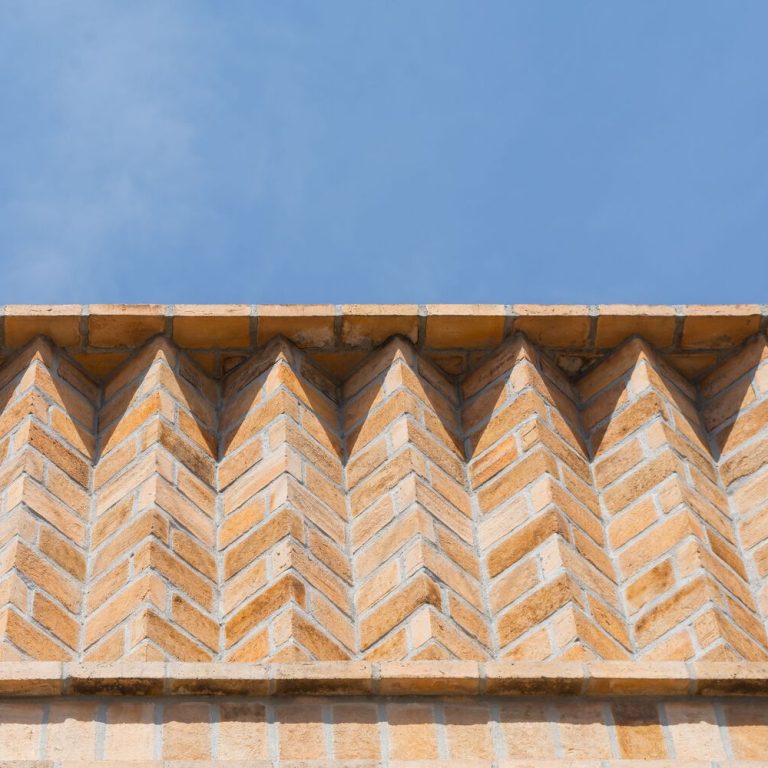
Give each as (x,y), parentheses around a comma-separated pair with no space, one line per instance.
(354,731)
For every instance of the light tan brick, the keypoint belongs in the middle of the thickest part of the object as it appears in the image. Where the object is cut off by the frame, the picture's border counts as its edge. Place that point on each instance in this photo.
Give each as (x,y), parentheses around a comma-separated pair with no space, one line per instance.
(186,731)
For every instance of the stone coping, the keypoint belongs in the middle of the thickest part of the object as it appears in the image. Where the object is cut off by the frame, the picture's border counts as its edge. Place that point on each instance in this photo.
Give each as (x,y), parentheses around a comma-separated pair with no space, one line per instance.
(415,678)
(348,326)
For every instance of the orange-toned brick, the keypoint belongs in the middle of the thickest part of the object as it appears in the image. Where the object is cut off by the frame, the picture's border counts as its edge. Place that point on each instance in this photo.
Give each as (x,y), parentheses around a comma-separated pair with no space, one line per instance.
(242,731)
(307,325)
(715,327)
(120,325)
(412,732)
(694,730)
(187,731)
(300,731)
(59,323)
(21,730)
(553,325)
(464,325)
(467,732)
(616,322)
(71,730)
(638,730)
(130,730)
(526,729)
(356,732)
(211,326)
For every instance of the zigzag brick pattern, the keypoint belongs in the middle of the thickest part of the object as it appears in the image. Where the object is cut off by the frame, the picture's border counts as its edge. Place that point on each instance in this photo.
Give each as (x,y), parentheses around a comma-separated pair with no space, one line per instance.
(551,585)
(152,581)
(670,531)
(46,434)
(286,583)
(385,511)
(417,578)
(735,411)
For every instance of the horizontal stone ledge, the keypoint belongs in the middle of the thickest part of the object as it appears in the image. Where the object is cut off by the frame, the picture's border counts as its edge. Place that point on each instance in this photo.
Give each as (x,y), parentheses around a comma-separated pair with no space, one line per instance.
(114,327)
(432,763)
(414,678)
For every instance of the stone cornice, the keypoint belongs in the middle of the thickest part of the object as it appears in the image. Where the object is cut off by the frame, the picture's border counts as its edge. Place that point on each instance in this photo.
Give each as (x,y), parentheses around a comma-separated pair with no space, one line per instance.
(411,678)
(693,338)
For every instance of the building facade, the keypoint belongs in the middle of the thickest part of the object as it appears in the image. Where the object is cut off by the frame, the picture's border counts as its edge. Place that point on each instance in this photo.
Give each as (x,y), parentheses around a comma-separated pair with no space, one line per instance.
(362,535)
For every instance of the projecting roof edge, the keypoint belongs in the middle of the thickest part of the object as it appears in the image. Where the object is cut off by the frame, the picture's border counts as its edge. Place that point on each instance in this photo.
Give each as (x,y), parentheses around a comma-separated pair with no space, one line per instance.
(692,337)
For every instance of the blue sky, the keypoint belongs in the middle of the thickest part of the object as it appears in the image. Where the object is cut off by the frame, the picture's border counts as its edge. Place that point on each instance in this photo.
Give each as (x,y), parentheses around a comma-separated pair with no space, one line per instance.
(360,151)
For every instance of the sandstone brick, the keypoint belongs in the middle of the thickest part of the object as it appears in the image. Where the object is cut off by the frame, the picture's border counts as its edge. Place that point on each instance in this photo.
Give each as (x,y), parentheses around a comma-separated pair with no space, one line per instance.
(522,407)
(115,325)
(526,729)
(211,326)
(186,731)
(479,325)
(301,733)
(512,584)
(200,626)
(47,576)
(422,508)
(356,732)
(672,611)
(421,590)
(254,648)
(618,463)
(153,555)
(242,731)
(467,731)
(658,540)
(523,541)
(694,730)
(58,549)
(375,323)
(746,426)
(582,731)
(412,732)
(130,730)
(715,327)
(59,622)
(101,621)
(383,581)
(521,474)
(534,609)
(747,730)
(71,730)
(247,550)
(553,325)
(309,325)
(616,322)
(59,323)
(21,730)
(638,730)
(264,605)
(650,585)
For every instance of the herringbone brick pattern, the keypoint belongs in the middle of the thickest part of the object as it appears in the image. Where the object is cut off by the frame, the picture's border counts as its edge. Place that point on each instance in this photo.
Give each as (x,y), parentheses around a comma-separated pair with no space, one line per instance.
(735,410)
(414,556)
(383,509)
(47,427)
(551,584)
(684,583)
(152,582)
(286,585)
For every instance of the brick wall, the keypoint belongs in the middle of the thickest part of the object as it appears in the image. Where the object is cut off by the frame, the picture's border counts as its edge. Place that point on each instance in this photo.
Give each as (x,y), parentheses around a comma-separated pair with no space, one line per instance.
(397,512)
(335,731)
(308,484)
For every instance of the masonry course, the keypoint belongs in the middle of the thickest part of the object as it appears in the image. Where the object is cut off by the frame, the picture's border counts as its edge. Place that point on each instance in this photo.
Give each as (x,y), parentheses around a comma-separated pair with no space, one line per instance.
(383,484)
